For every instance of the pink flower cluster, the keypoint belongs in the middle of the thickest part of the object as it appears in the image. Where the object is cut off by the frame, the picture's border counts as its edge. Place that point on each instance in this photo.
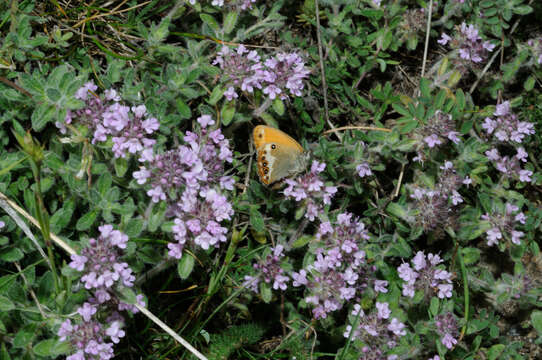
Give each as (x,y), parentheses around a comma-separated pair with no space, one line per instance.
(425,276)
(103,273)
(100,261)
(339,270)
(310,189)
(128,128)
(364,170)
(378,331)
(191,180)
(503,225)
(433,205)
(510,166)
(439,129)
(447,328)
(269,270)
(195,166)
(471,47)
(506,126)
(198,217)
(278,75)
(88,337)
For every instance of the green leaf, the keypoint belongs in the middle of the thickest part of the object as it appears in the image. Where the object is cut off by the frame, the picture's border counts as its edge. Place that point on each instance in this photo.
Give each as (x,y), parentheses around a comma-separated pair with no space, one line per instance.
(470,255)
(495,351)
(400,248)
(269,120)
(209,20)
(536,320)
(522,9)
(183,109)
(24,337)
(228,111)
(86,221)
(230,21)
(397,210)
(256,220)
(134,227)
(127,295)
(471,232)
(216,95)
(104,183)
(529,83)
(434,306)
(425,88)
(42,115)
(11,254)
(47,347)
(53,94)
(6,304)
(278,106)
(487,3)
(121,166)
(265,292)
(302,241)
(185,266)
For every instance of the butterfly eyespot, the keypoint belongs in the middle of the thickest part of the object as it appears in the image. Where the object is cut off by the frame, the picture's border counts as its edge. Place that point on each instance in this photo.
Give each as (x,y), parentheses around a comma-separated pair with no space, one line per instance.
(265,171)
(263,158)
(273,146)
(264,164)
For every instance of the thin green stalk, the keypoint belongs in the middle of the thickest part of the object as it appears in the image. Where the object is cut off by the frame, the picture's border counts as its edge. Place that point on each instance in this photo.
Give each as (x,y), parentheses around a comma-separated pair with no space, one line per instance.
(465,291)
(43,219)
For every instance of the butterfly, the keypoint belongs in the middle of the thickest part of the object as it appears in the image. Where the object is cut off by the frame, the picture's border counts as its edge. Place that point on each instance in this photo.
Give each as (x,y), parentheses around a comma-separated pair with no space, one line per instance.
(278,154)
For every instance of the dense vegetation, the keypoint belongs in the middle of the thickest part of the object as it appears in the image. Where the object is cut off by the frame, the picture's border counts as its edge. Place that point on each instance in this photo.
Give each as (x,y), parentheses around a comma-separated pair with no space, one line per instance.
(134,219)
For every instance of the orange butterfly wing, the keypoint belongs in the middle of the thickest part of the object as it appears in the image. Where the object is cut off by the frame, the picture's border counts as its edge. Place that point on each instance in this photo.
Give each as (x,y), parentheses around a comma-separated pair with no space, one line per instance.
(265,134)
(272,146)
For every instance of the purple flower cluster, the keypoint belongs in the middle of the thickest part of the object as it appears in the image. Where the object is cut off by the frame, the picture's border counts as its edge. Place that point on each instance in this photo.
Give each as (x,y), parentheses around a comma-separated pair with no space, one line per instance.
(425,276)
(504,225)
(197,219)
(195,166)
(433,205)
(511,166)
(439,129)
(310,188)
(100,261)
(339,270)
(278,75)
(376,331)
(129,128)
(536,49)
(269,270)
(472,48)
(447,329)
(103,273)
(88,337)
(103,270)
(506,126)
(190,179)
(364,170)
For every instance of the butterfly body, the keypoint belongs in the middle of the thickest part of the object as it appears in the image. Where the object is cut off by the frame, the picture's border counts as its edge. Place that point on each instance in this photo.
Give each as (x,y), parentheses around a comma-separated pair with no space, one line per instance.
(278,154)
